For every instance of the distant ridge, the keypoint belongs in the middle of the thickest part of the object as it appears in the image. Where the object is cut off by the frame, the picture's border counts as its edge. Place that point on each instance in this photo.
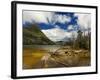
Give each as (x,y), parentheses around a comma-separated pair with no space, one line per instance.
(33,35)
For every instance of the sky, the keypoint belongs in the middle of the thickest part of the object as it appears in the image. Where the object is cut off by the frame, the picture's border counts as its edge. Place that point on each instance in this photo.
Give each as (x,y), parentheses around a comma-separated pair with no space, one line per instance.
(58,26)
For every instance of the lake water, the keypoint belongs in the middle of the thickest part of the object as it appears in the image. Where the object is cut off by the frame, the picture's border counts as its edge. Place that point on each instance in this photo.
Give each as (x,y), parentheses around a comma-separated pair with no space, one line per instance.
(34,56)
(44,47)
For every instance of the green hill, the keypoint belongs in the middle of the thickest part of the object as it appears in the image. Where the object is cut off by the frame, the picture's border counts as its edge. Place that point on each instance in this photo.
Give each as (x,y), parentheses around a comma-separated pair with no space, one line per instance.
(33,35)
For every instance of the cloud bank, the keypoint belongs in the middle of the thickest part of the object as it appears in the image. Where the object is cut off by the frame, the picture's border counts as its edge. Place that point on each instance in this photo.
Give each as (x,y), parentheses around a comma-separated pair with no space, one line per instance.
(58,34)
(36,16)
(71,22)
(84,20)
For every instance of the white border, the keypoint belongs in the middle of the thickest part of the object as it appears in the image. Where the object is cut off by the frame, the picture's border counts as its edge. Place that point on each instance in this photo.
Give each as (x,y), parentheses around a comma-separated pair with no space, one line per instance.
(35,72)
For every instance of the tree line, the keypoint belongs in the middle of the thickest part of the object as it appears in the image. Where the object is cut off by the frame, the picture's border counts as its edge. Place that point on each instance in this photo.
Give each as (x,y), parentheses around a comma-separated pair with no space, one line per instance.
(83,41)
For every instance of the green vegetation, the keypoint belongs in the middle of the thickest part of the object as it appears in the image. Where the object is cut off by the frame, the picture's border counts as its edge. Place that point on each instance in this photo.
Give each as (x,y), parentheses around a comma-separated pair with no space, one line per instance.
(82,41)
(33,35)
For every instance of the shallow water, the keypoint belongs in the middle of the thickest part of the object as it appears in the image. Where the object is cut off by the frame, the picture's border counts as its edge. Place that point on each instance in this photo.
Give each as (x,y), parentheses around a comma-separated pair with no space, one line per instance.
(32,54)
(33,57)
(44,47)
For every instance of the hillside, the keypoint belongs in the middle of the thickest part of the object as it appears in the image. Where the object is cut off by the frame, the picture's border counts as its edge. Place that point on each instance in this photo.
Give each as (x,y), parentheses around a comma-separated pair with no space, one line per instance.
(33,35)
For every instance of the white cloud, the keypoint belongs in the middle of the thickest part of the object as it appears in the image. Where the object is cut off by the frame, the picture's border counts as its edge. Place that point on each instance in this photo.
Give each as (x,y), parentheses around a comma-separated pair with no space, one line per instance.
(55,34)
(63,18)
(36,16)
(58,34)
(70,27)
(45,17)
(84,20)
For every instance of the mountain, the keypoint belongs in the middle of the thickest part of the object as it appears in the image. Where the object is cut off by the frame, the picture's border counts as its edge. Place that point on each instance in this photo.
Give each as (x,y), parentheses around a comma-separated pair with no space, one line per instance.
(32,34)
(64,41)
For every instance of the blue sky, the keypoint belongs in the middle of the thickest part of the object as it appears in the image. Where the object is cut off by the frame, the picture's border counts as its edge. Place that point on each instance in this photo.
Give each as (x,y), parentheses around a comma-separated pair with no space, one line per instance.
(63,25)
(58,25)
